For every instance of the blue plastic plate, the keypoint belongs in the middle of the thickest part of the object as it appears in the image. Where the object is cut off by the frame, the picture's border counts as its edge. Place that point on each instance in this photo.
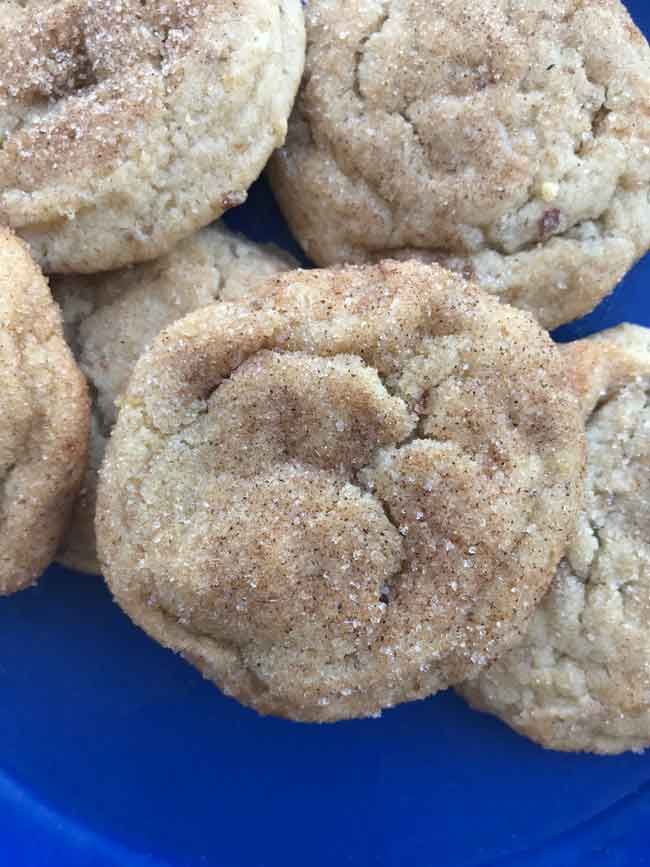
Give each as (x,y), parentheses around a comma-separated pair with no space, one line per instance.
(115,752)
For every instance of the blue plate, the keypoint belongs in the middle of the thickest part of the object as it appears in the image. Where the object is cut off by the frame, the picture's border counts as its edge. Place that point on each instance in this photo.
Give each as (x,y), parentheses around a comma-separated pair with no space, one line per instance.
(114,753)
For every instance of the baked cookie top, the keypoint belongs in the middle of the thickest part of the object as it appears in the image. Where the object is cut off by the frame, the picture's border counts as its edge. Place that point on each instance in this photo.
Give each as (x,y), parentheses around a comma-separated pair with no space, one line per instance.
(348,492)
(43,420)
(507,140)
(579,680)
(125,127)
(110,319)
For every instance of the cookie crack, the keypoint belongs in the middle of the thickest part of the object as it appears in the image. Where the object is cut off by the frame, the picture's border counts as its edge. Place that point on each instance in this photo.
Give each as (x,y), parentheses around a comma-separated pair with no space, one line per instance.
(356,177)
(597,531)
(632,432)
(410,123)
(36,421)
(5,480)
(360,53)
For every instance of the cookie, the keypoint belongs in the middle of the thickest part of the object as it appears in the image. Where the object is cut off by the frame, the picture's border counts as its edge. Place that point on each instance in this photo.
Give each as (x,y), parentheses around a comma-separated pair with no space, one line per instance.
(580,679)
(125,127)
(348,492)
(44,418)
(110,319)
(508,141)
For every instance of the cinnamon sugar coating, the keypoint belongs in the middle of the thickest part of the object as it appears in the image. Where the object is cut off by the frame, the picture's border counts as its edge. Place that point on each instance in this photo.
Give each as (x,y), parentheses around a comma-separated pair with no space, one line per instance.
(126,126)
(348,492)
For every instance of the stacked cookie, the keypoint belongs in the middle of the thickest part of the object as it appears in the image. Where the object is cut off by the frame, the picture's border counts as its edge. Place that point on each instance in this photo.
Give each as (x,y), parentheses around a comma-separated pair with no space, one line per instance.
(336,490)
(579,678)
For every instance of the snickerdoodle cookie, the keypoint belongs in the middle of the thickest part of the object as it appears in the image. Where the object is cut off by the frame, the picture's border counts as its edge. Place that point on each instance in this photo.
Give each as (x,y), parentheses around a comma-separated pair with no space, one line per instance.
(507,140)
(125,127)
(110,319)
(580,680)
(348,492)
(43,420)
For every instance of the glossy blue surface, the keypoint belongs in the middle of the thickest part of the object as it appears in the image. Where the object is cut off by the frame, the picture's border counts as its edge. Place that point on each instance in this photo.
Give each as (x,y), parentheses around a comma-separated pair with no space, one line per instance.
(114,753)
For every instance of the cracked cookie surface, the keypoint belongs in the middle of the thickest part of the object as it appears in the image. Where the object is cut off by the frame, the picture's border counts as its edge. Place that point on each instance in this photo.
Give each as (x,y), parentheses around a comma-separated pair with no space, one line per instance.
(43,420)
(111,319)
(347,493)
(508,140)
(126,127)
(579,680)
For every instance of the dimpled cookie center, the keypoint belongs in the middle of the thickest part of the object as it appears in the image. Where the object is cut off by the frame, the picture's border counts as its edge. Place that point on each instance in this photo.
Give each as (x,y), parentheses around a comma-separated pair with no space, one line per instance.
(315,511)
(274,460)
(77,76)
(65,46)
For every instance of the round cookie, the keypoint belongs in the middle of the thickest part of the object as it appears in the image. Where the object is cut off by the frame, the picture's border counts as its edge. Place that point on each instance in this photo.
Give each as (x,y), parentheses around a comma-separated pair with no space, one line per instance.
(126,127)
(508,141)
(43,420)
(348,492)
(580,679)
(110,319)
